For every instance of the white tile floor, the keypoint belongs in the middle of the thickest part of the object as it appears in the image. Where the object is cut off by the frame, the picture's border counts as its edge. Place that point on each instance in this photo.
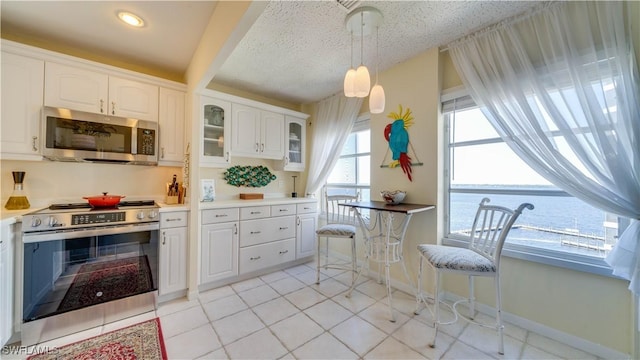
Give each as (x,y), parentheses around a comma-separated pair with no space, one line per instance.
(284,315)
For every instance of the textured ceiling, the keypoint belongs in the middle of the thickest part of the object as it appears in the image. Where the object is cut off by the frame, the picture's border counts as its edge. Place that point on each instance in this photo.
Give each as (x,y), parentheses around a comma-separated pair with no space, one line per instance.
(297,51)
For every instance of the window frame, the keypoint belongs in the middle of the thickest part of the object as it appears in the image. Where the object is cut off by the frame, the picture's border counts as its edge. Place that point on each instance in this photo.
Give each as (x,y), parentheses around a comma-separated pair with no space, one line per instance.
(362,123)
(567,260)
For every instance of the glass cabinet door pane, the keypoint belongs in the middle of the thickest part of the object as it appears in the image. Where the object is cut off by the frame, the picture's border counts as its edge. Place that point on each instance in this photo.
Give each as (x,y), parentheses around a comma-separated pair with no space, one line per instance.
(295,142)
(213,144)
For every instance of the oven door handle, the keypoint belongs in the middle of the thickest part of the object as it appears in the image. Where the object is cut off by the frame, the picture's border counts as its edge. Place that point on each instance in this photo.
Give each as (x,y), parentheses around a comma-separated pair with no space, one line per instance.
(87,232)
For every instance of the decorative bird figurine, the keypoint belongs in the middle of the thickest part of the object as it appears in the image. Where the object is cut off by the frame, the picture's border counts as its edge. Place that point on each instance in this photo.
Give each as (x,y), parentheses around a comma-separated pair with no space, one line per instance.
(398,137)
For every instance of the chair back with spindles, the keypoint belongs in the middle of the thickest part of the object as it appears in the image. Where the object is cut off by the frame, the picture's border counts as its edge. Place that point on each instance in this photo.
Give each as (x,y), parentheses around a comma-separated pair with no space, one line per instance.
(491,227)
(337,214)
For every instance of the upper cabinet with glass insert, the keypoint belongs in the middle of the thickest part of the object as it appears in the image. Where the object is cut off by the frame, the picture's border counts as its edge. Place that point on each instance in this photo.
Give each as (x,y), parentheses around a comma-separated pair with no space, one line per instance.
(295,144)
(216,127)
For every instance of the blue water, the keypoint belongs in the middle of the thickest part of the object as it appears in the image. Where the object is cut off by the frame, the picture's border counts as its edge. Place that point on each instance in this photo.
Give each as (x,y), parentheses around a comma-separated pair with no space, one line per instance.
(559,213)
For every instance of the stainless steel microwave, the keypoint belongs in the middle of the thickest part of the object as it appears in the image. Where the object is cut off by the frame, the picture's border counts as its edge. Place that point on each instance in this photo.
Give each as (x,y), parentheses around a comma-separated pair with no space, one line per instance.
(81,136)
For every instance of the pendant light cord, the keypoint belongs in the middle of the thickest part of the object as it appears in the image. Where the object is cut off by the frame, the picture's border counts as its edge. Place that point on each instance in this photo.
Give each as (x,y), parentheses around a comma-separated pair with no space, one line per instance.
(377,54)
(361,38)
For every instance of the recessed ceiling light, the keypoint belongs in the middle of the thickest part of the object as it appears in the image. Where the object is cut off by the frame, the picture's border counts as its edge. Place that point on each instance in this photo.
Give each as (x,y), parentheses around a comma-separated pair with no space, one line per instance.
(131,19)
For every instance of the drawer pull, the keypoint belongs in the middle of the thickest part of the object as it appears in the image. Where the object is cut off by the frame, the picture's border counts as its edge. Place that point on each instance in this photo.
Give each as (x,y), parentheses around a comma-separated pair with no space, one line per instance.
(255,232)
(178,219)
(307,208)
(284,210)
(256,212)
(255,258)
(284,252)
(284,228)
(221,215)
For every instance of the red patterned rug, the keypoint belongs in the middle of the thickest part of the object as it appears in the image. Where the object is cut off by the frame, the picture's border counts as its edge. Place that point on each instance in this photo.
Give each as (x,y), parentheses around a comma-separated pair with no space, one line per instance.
(104,281)
(139,341)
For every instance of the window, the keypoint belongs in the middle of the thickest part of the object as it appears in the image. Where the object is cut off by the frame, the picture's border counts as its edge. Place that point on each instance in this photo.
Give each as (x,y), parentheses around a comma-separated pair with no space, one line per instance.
(351,174)
(562,230)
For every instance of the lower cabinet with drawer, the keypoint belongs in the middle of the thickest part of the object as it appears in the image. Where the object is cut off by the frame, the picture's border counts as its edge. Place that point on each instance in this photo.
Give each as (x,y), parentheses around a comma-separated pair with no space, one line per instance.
(247,239)
(173,253)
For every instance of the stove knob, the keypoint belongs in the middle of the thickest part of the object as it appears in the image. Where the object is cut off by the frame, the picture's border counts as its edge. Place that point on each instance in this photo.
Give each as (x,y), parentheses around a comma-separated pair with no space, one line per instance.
(36,222)
(140,215)
(153,214)
(53,221)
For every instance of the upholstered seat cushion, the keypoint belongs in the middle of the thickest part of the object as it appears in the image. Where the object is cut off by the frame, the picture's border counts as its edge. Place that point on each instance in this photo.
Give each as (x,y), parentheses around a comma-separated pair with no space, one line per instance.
(454,258)
(337,230)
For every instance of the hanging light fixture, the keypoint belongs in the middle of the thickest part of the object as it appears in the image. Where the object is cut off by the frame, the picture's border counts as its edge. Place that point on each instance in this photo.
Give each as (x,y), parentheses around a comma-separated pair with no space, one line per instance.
(350,77)
(362,21)
(376,98)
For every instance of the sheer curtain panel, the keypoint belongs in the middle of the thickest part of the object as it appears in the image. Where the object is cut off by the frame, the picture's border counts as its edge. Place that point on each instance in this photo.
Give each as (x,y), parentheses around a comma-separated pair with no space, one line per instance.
(560,85)
(331,128)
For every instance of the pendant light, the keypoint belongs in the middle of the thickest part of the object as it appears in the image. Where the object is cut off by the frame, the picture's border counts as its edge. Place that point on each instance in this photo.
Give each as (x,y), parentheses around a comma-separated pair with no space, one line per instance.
(350,77)
(376,98)
(362,21)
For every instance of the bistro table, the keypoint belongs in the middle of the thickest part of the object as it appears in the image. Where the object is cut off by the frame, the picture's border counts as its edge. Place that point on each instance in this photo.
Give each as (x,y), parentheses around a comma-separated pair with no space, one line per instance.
(384,238)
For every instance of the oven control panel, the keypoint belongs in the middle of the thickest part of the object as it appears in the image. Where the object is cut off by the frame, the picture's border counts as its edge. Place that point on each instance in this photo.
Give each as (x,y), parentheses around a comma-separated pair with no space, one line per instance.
(98,218)
(44,221)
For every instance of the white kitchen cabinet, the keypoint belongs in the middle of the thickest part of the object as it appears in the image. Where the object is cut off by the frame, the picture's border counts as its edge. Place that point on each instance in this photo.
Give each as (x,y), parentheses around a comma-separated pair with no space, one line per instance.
(75,88)
(306,224)
(173,252)
(219,246)
(7,244)
(257,133)
(22,87)
(171,126)
(215,122)
(294,145)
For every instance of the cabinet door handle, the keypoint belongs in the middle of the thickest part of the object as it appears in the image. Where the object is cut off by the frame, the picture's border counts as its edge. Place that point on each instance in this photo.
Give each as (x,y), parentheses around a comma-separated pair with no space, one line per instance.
(298,220)
(113,108)
(235,229)
(164,237)
(101,106)
(162,149)
(286,160)
(284,252)
(33,145)
(255,258)
(226,157)
(257,147)
(262,148)
(255,232)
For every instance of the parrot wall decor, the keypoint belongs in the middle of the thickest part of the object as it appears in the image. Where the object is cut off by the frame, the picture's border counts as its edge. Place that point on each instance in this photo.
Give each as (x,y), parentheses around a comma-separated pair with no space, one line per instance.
(397,136)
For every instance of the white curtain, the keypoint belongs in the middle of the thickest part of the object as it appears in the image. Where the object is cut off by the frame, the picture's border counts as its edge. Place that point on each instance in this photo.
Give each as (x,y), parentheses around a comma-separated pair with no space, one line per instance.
(333,123)
(560,85)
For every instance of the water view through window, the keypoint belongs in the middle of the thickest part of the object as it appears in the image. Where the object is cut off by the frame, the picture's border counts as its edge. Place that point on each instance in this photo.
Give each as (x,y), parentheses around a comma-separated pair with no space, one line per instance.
(557,223)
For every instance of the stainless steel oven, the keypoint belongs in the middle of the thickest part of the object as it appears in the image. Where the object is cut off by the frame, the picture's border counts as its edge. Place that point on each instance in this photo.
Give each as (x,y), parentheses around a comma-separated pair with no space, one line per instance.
(85,267)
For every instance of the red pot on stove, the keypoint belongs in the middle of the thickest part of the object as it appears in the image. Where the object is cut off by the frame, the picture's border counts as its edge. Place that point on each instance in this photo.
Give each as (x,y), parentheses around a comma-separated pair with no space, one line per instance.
(103,200)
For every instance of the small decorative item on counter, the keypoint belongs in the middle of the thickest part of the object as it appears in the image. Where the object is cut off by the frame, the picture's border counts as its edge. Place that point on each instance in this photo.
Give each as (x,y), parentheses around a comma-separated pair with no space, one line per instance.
(208,190)
(294,193)
(18,199)
(250,176)
(394,197)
